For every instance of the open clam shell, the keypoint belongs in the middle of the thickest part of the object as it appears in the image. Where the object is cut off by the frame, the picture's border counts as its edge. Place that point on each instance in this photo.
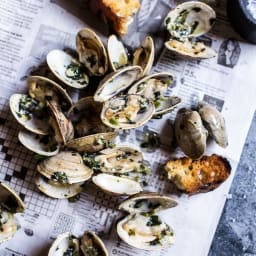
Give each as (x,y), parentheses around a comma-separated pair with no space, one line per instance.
(117,54)
(116,82)
(91,52)
(42,145)
(154,87)
(144,55)
(67,69)
(143,228)
(57,190)
(190,19)
(119,159)
(127,111)
(214,123)
(85,115)
(65,168)
(190,133)
(116,185)
(8,225)
(20,105)
(63,128)
(44,90)
(91,244)
(64,244)
(10,200)
(92,143)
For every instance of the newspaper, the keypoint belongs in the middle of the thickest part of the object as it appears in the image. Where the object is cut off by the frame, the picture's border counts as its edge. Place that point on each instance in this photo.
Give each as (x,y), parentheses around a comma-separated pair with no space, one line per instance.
(29,29)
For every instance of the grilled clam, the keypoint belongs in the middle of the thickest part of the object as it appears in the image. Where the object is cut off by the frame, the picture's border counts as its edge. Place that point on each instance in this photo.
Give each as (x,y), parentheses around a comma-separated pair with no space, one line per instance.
(154,87)
(117,54)
(214,123)
(186,22)
(65,168)
(116,82)
(143,228)
(144,55)
(42,145)
(127,111)
(190,133)
(91,52)
(44,90)
(29,113)
(67,244)
(11,203)
(67,69)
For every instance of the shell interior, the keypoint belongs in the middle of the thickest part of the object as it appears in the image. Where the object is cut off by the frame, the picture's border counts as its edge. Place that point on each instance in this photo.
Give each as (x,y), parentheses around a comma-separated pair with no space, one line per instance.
(42,145)
(117,54)
(116,185)
(22,107)
(127,111)
(66,167)
(57,190)
(67,69)
(116,82)
(167,104)
(8,225)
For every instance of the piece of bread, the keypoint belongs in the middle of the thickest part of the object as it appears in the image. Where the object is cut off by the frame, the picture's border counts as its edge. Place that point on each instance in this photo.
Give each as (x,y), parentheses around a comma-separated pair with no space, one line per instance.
(195,176)
(119,13)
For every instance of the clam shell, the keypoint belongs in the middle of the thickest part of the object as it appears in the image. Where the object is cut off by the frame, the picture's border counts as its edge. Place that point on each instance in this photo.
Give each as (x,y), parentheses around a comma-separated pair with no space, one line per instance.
(44,89)
(127,111)
(195,50)
(67,69)
(66,168)
(62,243)
(154,87)
(41,145)
(10,200)
(147,202)
(214,123)
(56,190)
(190,19)
(8,226)
(116,185)
(144,55)
(91,240)
(91,52)
(32,124)
(116,53)
(119,159)
(91,143)
(116,82)
(190,133)
(135,231)
(63,128)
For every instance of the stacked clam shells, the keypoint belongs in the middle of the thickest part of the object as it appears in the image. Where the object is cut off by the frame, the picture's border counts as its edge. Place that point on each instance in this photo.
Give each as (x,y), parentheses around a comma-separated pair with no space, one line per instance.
(192,128)
(10,203)
(186,23)
(88,244)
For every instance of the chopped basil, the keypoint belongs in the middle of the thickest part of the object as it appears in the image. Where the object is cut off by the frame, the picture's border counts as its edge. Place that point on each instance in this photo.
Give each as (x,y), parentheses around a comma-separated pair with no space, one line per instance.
(60,177)
(114,121)
(89,160)
(154,221)
(74,71)
(155,242)
(131,232)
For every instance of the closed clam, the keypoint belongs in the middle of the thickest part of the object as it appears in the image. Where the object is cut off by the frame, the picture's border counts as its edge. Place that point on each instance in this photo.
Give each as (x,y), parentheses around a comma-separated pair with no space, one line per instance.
(155,87)
(214,123)
(143,228)
(186,22)
(67,69)
(91,52)
(190,133)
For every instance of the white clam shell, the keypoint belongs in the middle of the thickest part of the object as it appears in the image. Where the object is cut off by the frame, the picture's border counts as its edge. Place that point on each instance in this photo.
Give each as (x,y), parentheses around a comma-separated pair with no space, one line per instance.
(36,143)
(127,111)
(59,61)
(116,53)
(9,228)
(56,190)
(116,82)
(116,185)
(35,125)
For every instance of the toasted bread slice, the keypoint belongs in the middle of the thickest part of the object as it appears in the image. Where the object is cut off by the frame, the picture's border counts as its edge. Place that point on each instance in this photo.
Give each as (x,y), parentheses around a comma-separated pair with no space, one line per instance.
(119,13)
(195,176)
